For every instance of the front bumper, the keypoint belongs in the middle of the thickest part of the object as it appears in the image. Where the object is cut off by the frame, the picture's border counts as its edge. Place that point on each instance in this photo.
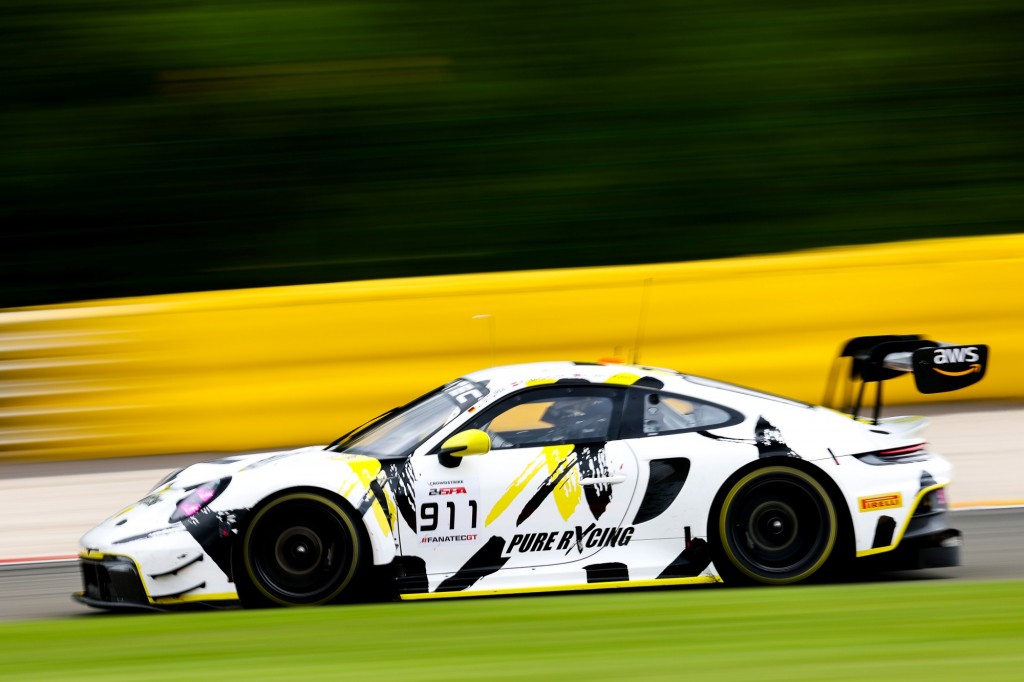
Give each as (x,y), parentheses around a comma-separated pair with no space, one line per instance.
(112,582)
(138,559)
(115,582)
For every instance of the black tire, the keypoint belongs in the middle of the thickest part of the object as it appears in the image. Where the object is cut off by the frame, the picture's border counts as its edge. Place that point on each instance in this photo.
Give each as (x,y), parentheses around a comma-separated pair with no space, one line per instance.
(776,525)
(300,549)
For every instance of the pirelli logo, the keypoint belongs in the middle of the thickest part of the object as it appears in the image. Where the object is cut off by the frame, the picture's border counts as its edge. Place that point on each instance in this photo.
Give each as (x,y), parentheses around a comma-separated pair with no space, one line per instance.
(876,502)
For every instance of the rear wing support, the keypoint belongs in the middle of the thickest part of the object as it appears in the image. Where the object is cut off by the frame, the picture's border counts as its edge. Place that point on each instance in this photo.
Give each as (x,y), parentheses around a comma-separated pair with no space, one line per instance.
(937,368)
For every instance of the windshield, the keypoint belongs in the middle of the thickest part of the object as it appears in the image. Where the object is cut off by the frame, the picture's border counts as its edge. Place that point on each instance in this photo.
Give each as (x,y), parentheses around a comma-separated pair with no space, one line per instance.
(398,433)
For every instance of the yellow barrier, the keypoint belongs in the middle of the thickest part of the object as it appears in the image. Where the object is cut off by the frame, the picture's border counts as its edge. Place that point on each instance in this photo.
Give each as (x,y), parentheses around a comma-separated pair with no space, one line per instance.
(261,368)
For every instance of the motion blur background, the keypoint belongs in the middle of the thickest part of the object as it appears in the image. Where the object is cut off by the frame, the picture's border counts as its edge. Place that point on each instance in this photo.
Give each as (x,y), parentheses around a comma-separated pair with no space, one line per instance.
(188,146)
(230,148)
(206,144)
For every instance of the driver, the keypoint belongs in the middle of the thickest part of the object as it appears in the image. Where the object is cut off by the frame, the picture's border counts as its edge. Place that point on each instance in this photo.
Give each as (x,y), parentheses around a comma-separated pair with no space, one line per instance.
(584,418)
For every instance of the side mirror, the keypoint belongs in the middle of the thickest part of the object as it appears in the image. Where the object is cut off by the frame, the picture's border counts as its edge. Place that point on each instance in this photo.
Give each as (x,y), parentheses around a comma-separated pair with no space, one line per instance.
(466,443)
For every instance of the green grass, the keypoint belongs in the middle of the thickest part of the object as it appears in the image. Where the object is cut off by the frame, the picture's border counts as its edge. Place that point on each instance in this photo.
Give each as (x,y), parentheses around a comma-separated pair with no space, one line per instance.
(894,631)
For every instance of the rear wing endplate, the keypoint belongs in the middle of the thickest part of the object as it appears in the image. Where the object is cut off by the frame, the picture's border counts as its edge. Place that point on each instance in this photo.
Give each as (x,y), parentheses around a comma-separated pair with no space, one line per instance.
(937,368)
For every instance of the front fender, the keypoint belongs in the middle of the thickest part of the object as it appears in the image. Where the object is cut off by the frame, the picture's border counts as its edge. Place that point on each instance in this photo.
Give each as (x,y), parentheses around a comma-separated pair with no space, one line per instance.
(359,481)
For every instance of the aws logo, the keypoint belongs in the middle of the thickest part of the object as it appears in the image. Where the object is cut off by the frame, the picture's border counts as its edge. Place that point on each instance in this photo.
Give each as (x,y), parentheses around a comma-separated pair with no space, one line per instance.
(955,354)
(948,368)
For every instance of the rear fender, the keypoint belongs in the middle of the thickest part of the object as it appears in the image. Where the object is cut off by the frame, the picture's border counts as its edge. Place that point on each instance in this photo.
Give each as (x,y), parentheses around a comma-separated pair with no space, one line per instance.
(846,542)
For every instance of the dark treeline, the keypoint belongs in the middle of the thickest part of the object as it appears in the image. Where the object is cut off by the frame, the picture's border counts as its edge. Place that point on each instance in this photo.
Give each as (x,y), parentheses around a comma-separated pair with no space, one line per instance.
(153,147)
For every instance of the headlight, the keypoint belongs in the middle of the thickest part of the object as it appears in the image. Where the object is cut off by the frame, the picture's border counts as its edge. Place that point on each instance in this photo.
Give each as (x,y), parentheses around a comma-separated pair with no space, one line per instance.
(202,495)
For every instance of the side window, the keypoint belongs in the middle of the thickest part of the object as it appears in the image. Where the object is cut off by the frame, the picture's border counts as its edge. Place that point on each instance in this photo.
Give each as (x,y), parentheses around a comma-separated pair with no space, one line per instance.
(550,417)
(653,413)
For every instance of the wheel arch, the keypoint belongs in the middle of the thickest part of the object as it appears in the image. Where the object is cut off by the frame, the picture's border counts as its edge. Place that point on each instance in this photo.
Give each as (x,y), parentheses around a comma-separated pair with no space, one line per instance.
(383,546)
(361,527)
(845,548)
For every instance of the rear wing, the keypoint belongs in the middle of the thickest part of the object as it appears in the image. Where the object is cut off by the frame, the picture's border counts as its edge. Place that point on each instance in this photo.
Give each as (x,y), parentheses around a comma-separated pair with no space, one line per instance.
(937,368)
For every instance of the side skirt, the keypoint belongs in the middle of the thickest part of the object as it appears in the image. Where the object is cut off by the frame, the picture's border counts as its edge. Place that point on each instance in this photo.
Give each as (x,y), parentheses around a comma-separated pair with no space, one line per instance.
(611,585)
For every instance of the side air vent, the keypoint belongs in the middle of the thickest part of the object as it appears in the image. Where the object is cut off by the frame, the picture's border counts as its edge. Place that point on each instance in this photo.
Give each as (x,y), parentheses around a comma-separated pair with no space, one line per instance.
(663,485)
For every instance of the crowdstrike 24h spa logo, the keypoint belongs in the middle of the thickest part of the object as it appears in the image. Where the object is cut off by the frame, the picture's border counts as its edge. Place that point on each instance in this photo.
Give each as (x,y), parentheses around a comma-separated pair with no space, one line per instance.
(448,490)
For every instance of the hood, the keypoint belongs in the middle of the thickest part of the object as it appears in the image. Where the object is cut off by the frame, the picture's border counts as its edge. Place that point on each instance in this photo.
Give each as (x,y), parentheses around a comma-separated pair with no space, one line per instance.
(230,466)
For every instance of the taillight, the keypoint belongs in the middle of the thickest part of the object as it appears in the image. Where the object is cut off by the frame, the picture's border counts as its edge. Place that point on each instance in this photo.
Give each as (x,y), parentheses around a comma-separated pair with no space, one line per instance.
(902,455)
(900,452)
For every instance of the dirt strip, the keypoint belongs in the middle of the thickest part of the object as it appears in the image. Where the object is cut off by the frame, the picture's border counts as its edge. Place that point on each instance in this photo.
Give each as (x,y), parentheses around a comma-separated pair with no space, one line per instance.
(45,507)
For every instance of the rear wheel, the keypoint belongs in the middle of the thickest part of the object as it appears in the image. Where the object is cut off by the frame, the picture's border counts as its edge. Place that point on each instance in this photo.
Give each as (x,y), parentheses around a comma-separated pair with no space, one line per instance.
(776,525)
(301,548)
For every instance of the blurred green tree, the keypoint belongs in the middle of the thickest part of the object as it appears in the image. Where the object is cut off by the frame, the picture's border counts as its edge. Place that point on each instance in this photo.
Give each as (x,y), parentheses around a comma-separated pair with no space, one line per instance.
(170,146)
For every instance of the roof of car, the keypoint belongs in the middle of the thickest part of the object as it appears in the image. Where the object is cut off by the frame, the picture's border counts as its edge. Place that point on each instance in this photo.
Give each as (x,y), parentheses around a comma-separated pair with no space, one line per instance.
(536,373)
(544,372)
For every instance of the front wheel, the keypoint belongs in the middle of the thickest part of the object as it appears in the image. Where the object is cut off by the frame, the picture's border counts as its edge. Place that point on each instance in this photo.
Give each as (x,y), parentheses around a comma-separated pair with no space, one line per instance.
(776,525)
(301,548)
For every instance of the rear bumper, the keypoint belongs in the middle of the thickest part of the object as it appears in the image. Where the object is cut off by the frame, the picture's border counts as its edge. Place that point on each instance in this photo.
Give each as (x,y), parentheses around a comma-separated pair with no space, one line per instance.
(934,550)
(929,540)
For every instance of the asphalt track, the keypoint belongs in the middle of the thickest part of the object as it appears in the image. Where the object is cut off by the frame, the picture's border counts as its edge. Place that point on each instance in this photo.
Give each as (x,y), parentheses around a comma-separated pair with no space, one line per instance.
(993,550)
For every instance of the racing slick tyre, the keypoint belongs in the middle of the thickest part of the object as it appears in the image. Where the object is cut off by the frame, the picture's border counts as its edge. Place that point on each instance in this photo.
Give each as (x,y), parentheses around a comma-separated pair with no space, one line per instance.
(300,548)
(776,525)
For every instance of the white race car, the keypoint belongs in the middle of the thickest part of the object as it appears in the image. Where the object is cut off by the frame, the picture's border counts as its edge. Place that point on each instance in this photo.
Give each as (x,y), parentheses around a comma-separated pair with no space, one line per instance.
(552,476)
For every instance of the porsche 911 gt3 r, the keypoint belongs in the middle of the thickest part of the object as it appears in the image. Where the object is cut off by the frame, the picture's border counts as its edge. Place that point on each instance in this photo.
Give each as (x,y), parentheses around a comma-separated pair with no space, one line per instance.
(552,476)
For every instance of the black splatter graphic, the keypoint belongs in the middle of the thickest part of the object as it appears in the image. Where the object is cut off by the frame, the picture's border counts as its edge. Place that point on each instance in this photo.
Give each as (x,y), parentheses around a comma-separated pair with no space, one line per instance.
(607,573)
(769,440)
(546,488)
(693,560)
(366,501)
(487,560)
(664,483)
(375,493)
(883,532)
(594,464)
(727,439)
(215,533)
(401,480)
(382,500)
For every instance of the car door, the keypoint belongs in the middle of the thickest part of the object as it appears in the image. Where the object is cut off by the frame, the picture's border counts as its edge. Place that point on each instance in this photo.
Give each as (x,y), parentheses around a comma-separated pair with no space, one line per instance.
(553,489)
